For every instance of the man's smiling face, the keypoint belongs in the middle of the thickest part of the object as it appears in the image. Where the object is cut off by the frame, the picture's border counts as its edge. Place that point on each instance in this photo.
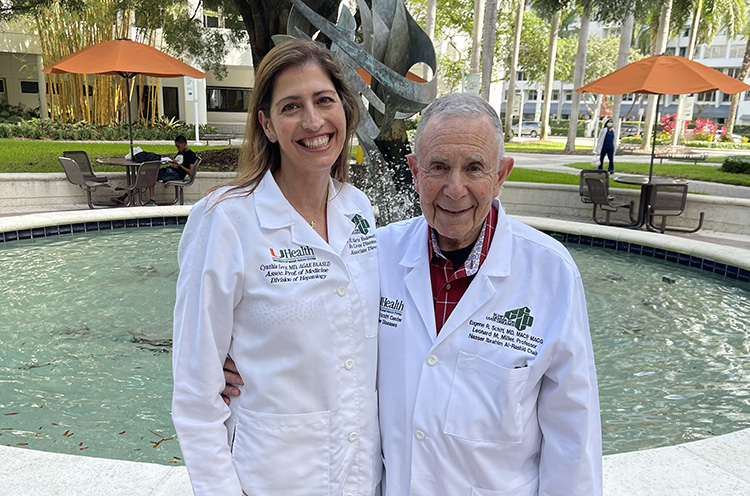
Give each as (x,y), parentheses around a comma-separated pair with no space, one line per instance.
(457,173)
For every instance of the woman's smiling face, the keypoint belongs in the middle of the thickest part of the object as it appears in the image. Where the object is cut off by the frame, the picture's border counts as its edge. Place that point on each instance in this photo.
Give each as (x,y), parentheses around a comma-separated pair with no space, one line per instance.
(306,118)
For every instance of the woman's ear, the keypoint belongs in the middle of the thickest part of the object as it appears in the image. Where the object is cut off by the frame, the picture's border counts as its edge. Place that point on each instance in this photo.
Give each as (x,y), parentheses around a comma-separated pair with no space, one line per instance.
(265,123)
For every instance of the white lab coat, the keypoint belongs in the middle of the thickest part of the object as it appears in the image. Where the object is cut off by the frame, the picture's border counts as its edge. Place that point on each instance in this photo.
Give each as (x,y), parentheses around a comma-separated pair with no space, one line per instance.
(600,141)
(493,405)
(299,317)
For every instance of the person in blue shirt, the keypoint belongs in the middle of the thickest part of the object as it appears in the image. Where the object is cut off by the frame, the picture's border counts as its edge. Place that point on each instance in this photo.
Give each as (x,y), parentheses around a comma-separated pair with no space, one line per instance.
(606,145)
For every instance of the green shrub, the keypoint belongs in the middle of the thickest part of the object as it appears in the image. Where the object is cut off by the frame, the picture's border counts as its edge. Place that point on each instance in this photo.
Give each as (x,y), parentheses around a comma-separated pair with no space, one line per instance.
(736,165)
(717,144)
(6,130)
(704,137)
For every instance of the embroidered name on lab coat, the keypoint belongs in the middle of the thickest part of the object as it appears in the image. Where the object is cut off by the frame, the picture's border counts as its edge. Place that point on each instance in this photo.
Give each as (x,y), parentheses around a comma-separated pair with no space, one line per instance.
(294,265)
(391,311)
(507,331)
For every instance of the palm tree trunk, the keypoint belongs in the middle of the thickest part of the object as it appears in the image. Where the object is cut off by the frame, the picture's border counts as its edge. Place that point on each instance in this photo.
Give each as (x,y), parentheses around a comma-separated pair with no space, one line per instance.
(661,45)
(578,77)
(736,97)
(513,71)
(551,55)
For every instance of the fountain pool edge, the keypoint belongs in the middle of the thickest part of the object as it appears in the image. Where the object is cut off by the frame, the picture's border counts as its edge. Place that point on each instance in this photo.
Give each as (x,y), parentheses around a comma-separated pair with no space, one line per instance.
(729,261)
(709,466)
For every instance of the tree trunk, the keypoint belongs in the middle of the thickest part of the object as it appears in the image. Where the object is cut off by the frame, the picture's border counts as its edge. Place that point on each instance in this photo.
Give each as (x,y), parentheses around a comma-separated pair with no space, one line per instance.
(551,55)
(678,125)
(513,70)
(478,21)
(488,43)
(578,76)
(264,19)
(736,97)
(626,38)
(661,45)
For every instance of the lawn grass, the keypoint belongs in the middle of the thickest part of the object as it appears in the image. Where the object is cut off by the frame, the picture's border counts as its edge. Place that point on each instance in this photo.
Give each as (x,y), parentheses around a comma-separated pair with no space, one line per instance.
(537,176)
(708,173)
(41,155)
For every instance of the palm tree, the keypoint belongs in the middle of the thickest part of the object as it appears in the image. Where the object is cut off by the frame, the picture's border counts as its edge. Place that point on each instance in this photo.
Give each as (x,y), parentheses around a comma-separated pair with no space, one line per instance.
(741,76)
(578,74)
(514,69)
(552,9)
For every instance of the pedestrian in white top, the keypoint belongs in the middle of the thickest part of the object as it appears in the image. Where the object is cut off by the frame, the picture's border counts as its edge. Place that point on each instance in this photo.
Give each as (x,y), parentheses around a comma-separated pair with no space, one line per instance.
(279,270)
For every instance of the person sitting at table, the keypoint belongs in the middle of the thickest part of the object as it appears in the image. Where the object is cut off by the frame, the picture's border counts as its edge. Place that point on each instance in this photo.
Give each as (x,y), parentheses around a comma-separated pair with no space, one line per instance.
(181,165)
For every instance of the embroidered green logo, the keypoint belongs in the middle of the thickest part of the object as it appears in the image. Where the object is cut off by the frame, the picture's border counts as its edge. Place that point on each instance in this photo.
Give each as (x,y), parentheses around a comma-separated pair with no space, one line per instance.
(361,224)
(521,318)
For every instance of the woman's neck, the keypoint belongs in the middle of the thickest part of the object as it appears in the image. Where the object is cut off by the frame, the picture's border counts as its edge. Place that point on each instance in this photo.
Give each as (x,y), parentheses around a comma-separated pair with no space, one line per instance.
(308,195)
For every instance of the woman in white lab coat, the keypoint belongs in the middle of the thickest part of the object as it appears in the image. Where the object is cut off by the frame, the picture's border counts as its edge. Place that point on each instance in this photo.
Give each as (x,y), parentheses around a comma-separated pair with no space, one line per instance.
(279,270)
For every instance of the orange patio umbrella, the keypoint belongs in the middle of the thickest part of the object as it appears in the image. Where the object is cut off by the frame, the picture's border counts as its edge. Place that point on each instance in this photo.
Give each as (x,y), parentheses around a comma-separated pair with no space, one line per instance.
(663,75)
(126,58)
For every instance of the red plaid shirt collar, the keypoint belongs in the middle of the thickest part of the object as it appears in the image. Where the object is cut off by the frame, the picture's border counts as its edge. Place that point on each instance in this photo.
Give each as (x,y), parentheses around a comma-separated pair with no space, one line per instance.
(448,286)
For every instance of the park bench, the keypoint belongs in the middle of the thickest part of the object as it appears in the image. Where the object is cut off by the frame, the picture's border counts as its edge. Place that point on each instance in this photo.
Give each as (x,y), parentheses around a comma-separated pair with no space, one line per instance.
(220,137)
(695,157)
(628,148)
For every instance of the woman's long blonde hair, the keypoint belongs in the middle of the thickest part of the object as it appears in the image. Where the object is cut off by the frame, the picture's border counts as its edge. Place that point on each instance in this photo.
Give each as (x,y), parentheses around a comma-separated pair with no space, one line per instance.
(258,154)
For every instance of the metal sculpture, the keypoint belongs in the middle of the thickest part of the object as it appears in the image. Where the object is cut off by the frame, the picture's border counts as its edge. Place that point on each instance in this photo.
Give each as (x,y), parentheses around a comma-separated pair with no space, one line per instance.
(392,42)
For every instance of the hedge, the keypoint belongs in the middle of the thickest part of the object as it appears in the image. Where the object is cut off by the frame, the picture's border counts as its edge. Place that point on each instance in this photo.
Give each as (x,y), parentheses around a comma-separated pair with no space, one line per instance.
(736,165)
(166,130)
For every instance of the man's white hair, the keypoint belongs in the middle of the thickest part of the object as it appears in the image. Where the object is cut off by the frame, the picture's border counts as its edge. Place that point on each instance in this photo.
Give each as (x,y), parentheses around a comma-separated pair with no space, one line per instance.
(461,105)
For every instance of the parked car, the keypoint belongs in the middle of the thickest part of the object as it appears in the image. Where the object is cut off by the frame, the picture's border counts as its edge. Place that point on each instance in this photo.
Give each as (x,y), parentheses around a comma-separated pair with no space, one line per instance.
(630,130)
(528,128)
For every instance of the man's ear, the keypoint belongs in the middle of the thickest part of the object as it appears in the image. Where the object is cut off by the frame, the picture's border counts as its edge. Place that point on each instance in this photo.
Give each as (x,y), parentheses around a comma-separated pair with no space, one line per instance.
(506,165)
(412,160)
(265,123)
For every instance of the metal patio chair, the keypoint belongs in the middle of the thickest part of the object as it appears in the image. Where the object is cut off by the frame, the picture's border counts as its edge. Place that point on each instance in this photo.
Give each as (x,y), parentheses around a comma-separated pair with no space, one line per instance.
(145,178)
(599,194)
(669,200)
(583,189)
(179,185)
(75,176)
(82,159)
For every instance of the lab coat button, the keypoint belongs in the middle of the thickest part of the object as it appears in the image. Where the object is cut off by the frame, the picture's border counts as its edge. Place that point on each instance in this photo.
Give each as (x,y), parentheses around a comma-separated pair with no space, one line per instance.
(448,286)
(432,360)
(341,291)
(353,437)
(349,364)
(419,435)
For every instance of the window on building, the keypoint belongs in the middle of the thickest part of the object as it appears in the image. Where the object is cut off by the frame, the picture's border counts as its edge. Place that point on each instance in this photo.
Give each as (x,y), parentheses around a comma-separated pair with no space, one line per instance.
(54,88)
(29,87)
(726,98)
(555,95)
(736,51)
(227,99)
(687,32)
(171,102)
(628,97)
(521,76)
(683,51)
(568,96)
(210,19)
(2,86)
(708,96)
(717,52)
(532,96)
(670,50)
(731,71)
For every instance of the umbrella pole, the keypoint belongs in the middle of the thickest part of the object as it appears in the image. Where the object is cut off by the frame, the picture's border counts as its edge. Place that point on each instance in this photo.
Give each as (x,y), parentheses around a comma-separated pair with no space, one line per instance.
(130,121)
(653,138)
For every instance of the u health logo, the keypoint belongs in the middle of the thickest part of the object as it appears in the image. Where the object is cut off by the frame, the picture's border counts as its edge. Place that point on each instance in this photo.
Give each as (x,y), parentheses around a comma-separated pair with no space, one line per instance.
(521,318)
(361,224)
(289,255)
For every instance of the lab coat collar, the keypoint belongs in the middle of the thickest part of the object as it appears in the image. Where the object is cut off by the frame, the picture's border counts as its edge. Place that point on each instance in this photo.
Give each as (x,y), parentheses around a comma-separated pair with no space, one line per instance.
(275,212)
(416,262)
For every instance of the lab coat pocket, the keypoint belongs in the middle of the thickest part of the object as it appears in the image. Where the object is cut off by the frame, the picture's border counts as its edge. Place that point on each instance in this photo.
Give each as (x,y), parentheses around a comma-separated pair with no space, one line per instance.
(285,454)
(485,401)
(529,489)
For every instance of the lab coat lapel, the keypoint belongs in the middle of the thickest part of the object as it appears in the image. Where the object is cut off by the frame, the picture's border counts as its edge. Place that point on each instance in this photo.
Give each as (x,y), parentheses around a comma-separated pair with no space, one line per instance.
(275,212)
(340,213)
(416,265)
(488,279)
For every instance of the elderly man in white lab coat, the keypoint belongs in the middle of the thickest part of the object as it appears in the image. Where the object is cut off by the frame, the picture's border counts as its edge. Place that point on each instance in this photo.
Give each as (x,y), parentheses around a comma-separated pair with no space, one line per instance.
(486,372)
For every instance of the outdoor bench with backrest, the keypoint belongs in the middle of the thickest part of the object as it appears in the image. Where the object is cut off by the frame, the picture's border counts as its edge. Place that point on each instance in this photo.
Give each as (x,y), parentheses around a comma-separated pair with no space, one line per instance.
(695,157)
(220,137)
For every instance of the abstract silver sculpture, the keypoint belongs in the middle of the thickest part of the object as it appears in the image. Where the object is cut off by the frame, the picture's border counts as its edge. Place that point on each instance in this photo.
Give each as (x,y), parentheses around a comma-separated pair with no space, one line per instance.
(392,42)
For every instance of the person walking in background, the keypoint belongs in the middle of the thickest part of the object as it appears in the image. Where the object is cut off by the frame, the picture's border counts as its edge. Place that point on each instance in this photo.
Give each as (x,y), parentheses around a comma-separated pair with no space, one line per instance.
(606,145)
(279,269)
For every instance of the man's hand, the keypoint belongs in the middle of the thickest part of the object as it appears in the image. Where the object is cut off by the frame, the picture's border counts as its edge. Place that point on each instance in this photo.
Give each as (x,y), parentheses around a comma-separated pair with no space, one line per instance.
(232,379)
